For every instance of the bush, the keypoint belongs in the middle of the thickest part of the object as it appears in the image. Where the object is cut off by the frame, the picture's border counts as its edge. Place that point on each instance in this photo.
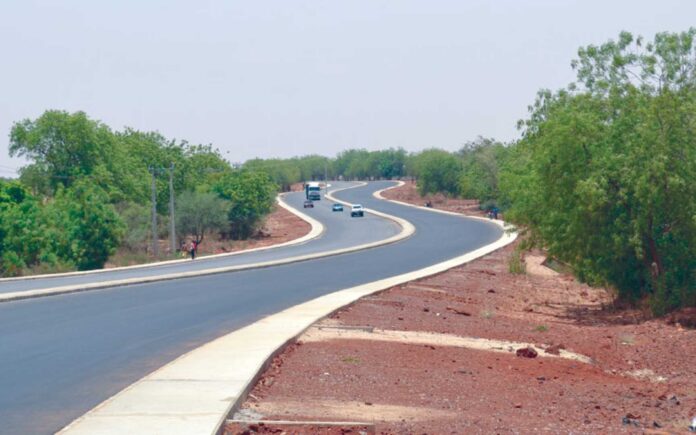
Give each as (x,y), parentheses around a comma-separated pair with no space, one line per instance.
(137,221)
(12,264)
(438,172)
(481,162)
(199,213)
(251,196)
(90,228)
(488,205)
(516,264)
(604,173)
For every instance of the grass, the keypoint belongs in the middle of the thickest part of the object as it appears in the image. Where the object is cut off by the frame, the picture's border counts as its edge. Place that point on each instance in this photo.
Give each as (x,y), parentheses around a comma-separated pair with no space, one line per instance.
(541,328)
(487,314)
(627,339)
(558,266)
(351,360)
(129,258)
(516,264)
(44,268)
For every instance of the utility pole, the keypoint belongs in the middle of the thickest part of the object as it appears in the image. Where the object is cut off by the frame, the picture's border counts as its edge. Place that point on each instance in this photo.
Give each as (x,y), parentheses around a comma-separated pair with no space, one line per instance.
(172,223)
(153,171)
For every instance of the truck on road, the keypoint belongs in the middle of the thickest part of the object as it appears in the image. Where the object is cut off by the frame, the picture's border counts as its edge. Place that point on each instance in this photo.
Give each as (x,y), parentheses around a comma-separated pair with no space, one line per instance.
(312,191)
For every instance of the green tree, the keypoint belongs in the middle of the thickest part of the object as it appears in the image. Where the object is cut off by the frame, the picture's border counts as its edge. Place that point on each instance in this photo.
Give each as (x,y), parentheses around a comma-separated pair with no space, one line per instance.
(138,225)
(251,196)
(85,226)
(313,167)
(65,147)
(604,174)
(201,213)
(388,164)
(194,165)
(481,162)
(79,169)
(283,172)
(353,164)
(200,167)
(438,172)
(22,229)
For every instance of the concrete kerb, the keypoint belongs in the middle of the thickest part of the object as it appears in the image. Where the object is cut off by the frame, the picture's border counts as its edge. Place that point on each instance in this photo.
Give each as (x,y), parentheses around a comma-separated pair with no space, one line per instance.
(316,230)
(504,225)
(407,230)
(234,363)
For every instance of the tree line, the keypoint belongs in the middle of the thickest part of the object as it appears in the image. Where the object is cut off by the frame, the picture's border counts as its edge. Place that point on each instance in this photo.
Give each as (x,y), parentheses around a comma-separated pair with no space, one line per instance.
(352,164)
(87,191)
(470,172)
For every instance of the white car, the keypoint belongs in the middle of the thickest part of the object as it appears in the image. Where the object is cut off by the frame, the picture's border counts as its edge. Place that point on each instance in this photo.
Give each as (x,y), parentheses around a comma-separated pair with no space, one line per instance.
(356,210)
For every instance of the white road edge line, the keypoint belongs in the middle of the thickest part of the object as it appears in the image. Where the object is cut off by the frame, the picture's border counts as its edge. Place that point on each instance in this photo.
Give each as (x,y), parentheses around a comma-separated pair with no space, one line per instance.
(196,392)
(406,231)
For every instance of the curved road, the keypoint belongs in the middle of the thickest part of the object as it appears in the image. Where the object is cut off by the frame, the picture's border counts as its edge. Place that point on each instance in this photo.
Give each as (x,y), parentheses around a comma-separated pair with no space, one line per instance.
(62,355)
(338,233)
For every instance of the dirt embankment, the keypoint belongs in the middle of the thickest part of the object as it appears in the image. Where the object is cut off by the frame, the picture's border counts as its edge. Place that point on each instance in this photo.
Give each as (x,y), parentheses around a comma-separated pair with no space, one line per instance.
(409,193)
(478,349)
(280,226)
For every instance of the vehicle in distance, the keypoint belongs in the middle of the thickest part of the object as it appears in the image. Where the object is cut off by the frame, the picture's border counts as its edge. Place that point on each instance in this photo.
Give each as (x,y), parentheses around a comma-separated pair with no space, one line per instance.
(313,191)
(337,207)
(309,204)
(356,210)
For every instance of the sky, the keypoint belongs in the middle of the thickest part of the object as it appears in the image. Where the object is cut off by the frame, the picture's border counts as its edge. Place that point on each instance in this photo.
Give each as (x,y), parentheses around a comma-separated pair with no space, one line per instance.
(284,78)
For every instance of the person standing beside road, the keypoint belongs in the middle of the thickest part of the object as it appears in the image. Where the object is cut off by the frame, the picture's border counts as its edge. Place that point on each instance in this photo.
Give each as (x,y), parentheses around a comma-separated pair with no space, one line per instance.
(192,249)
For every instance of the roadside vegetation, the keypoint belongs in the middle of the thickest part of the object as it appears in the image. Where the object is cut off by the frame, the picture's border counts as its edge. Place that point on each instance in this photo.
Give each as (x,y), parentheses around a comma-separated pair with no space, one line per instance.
(86,194)
(603,175)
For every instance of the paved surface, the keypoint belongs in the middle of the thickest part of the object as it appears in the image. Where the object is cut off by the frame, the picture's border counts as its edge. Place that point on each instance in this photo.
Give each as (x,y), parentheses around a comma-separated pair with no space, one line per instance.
(62,355)
(339,233)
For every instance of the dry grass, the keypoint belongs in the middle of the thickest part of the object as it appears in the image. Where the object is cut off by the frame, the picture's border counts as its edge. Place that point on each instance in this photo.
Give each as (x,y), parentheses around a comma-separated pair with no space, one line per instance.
(516,264)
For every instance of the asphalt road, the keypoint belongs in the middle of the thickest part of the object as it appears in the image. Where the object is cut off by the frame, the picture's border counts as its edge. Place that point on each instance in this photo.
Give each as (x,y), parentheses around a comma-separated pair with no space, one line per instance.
(339,233)
(62,355)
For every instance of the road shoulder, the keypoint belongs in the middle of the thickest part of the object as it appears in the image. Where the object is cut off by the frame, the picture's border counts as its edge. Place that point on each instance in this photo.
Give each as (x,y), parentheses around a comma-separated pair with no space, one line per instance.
(478,349)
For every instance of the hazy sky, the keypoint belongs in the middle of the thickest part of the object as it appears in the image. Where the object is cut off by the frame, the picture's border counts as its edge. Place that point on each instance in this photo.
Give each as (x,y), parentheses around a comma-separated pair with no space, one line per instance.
(284,78)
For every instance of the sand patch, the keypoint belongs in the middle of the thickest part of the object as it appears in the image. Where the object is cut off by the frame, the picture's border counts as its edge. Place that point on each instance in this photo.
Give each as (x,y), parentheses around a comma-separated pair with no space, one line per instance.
(416,287)
(536,267)
(348,410)
(645,374)
(326,333)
